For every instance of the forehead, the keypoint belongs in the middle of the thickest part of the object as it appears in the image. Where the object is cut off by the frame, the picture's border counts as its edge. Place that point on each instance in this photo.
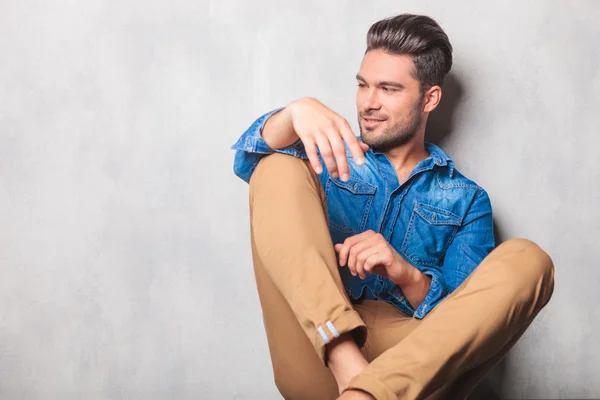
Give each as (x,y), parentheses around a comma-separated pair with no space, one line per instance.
(377,65)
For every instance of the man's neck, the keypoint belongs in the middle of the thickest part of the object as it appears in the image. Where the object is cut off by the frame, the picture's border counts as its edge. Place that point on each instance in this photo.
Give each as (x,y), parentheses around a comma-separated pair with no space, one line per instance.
(406,157)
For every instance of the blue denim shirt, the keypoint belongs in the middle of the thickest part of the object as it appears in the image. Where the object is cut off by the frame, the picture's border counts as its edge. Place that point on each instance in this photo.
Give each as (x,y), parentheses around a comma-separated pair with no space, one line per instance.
(438,220)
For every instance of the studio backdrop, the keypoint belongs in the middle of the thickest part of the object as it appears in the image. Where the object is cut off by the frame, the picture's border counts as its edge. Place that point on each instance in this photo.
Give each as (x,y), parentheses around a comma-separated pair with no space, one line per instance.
(125,265)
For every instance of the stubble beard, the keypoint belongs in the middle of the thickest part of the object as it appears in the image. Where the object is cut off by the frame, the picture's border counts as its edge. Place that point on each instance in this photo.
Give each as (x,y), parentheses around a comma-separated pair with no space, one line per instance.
(394,136)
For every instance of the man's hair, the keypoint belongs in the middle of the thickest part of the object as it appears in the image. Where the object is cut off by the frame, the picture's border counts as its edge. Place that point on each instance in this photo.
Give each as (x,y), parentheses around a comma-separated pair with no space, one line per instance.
(418,36)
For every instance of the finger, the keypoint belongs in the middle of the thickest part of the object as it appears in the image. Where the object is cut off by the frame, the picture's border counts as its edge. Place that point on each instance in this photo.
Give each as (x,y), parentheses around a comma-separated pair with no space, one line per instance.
(362,265)
(364,146)
(354,251)
(339,152)
(359,267)
(313,157)
(374,263)
(327,154)
(353,143)
(342,254)
(376,240)
(376,252)
(351,241)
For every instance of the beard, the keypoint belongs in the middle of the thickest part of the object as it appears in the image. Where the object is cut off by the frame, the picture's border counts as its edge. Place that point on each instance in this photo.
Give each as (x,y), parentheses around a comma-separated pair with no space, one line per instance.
(394,136)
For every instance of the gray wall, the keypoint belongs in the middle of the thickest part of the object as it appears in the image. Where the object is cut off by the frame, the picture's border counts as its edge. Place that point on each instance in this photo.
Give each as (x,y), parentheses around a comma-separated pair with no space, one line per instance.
(125,268)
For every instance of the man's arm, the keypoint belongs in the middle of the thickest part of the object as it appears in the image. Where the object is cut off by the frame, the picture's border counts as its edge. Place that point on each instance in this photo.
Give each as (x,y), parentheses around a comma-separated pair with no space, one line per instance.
(299,130)
(370,252)
(251,148)
(420,288)
(278,131)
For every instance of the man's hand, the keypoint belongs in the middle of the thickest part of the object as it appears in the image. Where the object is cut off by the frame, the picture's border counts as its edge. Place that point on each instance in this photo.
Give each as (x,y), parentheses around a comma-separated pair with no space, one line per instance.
(319,127)
(369,252)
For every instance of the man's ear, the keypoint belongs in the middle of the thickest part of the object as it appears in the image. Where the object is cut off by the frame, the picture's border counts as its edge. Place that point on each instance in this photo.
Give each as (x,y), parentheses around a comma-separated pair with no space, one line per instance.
(431,98)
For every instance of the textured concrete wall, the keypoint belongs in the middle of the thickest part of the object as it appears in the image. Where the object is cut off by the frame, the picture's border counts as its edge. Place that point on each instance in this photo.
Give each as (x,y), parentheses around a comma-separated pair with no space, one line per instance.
(125,268)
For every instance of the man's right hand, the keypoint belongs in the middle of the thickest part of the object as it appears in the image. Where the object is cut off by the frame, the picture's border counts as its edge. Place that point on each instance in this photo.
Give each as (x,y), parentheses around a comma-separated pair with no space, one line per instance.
(316,126)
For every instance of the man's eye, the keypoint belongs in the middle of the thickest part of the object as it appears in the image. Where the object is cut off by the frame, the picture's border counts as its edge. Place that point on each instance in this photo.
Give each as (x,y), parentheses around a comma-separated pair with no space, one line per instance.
(361,85)
(387,89)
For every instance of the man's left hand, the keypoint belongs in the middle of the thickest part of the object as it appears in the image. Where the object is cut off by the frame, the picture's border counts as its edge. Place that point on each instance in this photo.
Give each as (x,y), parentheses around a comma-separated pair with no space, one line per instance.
(369,252)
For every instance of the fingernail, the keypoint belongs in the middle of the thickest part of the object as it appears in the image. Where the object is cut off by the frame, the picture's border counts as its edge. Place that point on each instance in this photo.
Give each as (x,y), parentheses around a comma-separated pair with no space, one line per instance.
(345,177)
(360,161)
(318,170)
(334,174)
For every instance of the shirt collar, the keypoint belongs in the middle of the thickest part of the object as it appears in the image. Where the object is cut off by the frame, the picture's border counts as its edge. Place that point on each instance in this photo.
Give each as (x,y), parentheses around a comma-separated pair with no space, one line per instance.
(439,157)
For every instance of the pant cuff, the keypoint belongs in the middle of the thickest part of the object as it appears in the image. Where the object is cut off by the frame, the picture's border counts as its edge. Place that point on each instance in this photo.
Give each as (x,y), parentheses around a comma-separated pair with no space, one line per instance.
(330,330)
(371,385)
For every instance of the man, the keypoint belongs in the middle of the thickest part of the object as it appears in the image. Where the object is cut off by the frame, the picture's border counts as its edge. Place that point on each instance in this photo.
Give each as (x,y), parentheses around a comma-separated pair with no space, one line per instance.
(373,258)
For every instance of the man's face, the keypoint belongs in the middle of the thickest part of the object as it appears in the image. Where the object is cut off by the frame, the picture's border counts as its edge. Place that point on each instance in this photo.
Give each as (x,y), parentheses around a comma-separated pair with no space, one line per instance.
(388,100)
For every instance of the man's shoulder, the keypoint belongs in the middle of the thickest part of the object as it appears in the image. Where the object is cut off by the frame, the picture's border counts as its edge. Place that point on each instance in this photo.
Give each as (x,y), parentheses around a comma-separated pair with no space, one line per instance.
(456,180)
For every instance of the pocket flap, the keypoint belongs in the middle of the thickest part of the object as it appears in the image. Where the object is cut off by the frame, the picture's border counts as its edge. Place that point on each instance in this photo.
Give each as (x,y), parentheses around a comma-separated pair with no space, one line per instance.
(436,215)
(354,186)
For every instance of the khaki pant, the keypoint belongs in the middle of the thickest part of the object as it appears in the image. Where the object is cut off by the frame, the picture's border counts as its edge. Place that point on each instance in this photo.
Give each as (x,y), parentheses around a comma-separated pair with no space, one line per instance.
(444,355)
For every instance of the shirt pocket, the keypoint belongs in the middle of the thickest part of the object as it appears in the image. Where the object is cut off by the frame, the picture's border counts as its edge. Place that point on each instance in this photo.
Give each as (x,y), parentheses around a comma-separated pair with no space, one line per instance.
(430,232)
(348,204)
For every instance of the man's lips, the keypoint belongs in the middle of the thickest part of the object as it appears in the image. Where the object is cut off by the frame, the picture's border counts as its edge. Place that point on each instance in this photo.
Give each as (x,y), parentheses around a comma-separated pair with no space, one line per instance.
(369,122)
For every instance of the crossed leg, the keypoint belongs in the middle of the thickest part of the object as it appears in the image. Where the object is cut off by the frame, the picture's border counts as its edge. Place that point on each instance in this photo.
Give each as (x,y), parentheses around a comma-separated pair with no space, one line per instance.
(305,306)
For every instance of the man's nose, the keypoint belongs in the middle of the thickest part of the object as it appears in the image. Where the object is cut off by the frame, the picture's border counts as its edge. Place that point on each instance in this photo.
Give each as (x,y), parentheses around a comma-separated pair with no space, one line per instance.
(372,100)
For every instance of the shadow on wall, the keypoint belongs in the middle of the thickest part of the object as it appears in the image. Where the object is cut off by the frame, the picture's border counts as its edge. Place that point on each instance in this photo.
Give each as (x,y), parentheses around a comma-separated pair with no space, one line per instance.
(440,127)
(440,124)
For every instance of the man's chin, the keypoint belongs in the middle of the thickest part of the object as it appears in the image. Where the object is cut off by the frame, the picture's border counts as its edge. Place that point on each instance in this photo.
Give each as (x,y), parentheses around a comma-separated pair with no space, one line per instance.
(369,136)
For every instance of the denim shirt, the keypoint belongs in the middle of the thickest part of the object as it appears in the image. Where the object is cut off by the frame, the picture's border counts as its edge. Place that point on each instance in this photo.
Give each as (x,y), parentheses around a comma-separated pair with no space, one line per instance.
(437,220)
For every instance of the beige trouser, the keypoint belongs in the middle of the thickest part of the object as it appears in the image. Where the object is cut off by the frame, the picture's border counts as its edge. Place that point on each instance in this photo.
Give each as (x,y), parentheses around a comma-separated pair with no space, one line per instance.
(444,355)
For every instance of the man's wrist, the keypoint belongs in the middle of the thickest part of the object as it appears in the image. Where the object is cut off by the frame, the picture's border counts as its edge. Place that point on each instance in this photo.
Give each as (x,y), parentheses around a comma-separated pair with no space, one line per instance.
(412,276)
(415,287)
(414,279)
(278,131)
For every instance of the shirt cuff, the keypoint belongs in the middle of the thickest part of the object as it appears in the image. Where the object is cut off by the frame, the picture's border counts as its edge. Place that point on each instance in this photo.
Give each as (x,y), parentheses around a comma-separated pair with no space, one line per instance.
(437,292)
(252,141)
(251,147)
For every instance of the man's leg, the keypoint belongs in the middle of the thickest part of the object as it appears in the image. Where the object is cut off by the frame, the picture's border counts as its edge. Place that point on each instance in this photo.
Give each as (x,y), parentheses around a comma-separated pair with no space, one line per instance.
(386,324)
(468,332)
(304,303)
(299,373)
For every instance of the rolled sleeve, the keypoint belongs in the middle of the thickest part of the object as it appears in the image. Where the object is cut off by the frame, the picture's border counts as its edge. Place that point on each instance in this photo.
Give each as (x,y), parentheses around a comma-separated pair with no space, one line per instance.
(251,147)
(436,293)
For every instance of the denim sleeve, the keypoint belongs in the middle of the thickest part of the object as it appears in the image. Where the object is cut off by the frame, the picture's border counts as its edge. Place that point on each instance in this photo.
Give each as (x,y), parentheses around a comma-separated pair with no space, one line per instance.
(472,243)
(251,147)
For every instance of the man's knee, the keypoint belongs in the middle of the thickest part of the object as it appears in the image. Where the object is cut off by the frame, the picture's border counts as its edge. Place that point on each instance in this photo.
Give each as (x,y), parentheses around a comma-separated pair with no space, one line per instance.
(529,269)
(276,171)
(279,165)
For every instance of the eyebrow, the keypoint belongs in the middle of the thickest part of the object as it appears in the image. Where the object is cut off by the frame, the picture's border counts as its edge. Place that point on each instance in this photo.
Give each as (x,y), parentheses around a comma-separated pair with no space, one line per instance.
(383,83)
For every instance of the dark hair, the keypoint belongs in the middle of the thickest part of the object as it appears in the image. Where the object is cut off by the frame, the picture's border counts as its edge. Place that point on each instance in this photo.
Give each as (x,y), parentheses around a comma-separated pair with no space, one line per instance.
(418,36)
